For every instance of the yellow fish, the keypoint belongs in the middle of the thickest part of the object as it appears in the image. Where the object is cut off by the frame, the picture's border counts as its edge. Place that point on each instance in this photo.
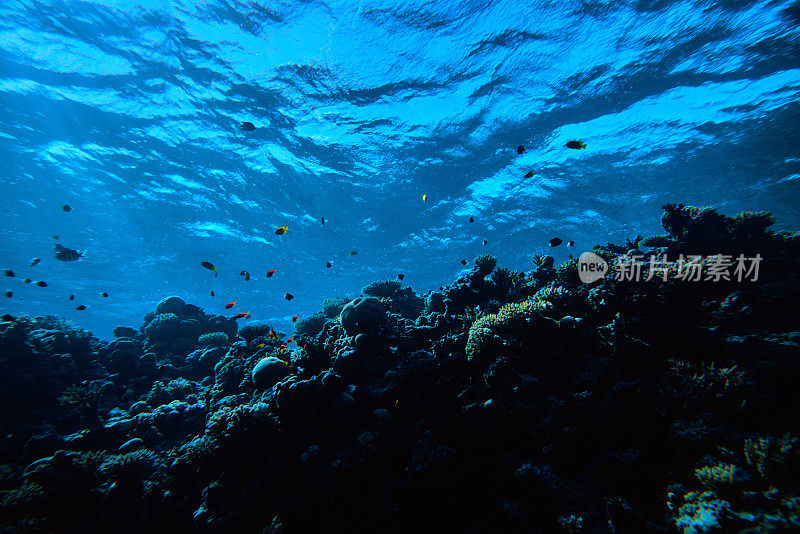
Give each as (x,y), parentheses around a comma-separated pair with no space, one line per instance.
(281,230)
(424,197)
(261,345)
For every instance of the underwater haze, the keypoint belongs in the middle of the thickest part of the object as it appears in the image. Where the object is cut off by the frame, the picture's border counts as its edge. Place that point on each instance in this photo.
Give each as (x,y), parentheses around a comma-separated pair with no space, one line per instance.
(130,113)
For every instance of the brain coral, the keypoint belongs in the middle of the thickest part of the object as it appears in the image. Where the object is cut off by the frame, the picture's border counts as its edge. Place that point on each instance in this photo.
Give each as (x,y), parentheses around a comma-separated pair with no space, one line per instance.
(163,327)
(517,320)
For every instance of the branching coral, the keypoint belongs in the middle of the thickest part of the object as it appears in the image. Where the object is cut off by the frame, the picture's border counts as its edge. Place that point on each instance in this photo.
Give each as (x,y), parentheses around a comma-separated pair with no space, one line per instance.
(383,288)
(777,460)
(513,320)
(485,264)
(253,330)
(85,398)
(333,306)
(213,339)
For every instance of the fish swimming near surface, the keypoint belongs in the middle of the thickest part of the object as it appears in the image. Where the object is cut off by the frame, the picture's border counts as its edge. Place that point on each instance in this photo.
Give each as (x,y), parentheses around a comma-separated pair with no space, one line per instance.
(27,280)
(288,296)
(520,149)
(485,242)
(400,276)
(246,275)
(577,145)
(104,294)
(570,243)
(247,126)
(271,272)
(9,272)
(230,305)
(352,253)
(212,292)
(281,230)
(72,297)
(67,208)
(472,219)
(210,266)
(34,262)
(241,315)
(463,262)
(81,307)
(328,265)
(555,242)
(529,174)
(9,294)
(323,220)
(40,283)
(66,254)
(424,197)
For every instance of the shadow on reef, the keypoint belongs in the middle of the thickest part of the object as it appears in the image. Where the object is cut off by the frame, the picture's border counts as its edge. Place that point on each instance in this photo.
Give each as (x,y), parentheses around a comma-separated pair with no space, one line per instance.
(507,402)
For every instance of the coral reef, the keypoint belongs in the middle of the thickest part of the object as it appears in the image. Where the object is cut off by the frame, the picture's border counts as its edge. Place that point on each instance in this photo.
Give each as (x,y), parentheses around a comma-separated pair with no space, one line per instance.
(505,402)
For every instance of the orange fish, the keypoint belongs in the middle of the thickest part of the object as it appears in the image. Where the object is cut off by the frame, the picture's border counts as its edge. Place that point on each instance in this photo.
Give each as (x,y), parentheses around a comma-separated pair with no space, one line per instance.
(272,334)
(230,305)
(282,347)
(305,346)
(295,318)
(241,315)
(290,340)
(271,272)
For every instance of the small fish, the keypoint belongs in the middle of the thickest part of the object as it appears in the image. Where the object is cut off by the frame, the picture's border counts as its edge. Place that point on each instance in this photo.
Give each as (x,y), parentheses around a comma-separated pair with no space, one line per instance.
(34,262)
(210,266)
(281,230)
(485,242)
(246,275)
(9,294)
(400,276)
(577,145)
(72,297)
(290,340)
(295,318)
(472,219)
(241,315)
(323,220)
(396,402)
(570,243)
(212,292)
(41,284)
(247,126)
(271,272)
(66,254)
(424,197)
(352,253)
(529,174)
(463,262)
(261,345)
(81,307)
(104,294)
(555,242)
(441,288)
(230,305)
(520,149)
(67,208)
(273,334)
(328,265)
(288,296)
(27,280)
(9,272)
(282,347)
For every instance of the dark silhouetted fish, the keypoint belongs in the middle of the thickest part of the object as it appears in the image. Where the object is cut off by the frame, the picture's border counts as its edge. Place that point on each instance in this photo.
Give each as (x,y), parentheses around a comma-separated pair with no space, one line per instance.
(27,280)
(247,126)
(555,242)
(577,145)
(34,262)
(67,208)
(81,307)
(246,275)
(72,297)
(485,242)
(401,276)
(520,149)
(472,219)
(9,272)
(463,262)
(66,254)
(40,283)
(212,292)
(288,296)
(328,265)
(104,294)
(9,294)
(570,243)
(529,174)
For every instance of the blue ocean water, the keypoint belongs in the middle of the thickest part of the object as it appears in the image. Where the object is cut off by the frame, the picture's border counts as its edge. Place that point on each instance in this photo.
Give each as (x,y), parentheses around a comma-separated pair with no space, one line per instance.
(129,112)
